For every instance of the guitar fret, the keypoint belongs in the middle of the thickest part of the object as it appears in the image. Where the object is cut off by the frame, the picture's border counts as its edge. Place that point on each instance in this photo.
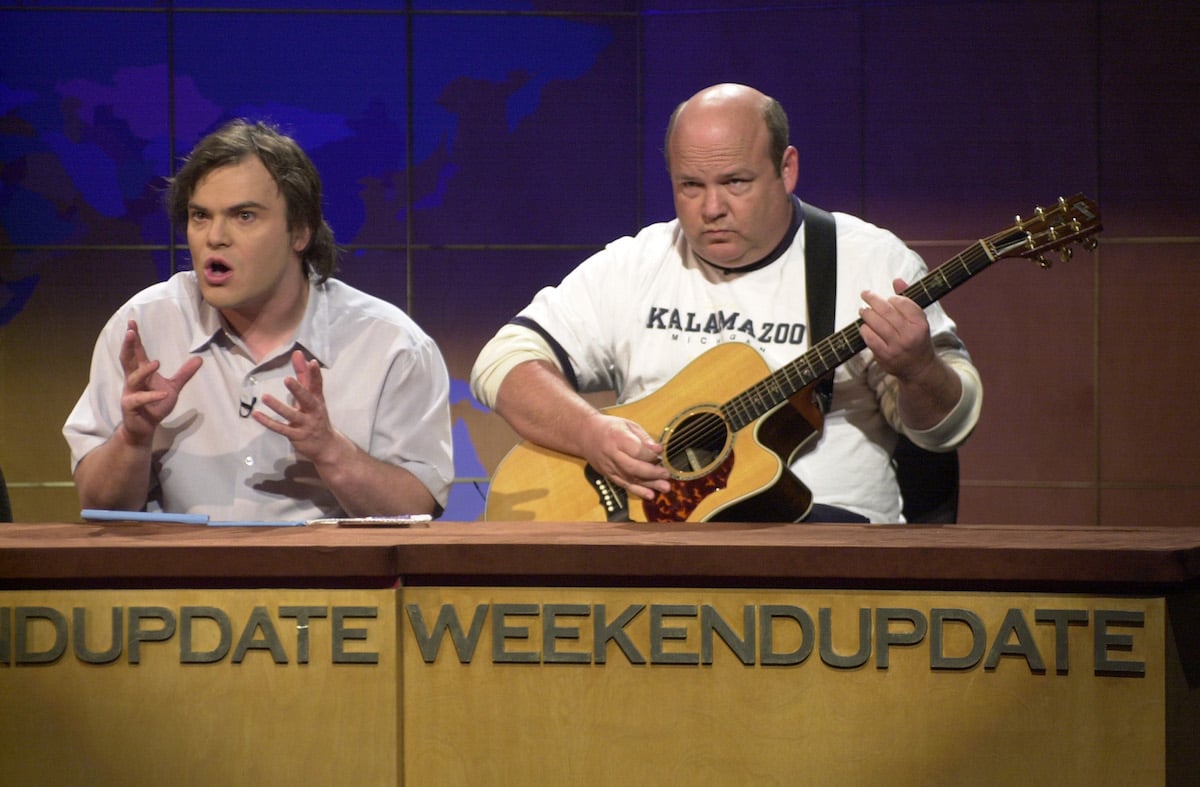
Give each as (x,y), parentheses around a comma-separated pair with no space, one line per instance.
(788,372)
(753,404)
(826,352)
(963,268)
(805,373)
(736,413)
(762,399)
(928,297)
(851,339)
(778,394)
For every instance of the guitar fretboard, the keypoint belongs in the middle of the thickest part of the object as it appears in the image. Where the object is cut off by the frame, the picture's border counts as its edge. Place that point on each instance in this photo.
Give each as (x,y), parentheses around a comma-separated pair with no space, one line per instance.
(837,348)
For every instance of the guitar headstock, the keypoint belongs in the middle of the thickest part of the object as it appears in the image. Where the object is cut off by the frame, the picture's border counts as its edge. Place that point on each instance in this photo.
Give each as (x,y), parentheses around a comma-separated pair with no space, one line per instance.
(1073,220)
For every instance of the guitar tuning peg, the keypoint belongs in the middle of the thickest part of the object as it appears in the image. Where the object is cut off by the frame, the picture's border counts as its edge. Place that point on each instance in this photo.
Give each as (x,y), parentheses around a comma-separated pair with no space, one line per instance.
(1067,253)
(1042,261)
(1091,243)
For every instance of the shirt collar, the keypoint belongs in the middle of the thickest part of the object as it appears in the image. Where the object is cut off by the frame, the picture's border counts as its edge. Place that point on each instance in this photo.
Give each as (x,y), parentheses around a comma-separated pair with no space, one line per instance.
(776,253)
(312,335)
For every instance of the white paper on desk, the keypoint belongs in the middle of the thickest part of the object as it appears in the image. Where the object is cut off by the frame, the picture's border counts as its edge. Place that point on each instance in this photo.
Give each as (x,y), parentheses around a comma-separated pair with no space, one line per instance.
(406,520)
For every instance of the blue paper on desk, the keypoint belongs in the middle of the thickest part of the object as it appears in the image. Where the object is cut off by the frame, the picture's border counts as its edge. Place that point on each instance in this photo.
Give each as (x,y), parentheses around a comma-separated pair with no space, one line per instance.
(106,515)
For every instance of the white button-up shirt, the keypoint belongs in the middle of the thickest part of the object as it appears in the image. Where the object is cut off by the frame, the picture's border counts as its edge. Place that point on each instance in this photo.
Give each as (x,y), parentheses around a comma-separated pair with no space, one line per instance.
(385,383)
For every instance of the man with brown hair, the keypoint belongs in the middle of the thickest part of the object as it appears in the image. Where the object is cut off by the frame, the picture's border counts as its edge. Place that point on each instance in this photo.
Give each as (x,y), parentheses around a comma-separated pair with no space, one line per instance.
(290,395)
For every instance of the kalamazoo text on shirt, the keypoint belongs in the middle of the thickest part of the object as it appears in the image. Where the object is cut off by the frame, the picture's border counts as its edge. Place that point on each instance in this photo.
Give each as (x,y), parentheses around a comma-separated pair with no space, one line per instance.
(718,322)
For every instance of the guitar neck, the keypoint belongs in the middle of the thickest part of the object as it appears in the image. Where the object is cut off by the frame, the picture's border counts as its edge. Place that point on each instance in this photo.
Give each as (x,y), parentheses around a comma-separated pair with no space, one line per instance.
(839,347)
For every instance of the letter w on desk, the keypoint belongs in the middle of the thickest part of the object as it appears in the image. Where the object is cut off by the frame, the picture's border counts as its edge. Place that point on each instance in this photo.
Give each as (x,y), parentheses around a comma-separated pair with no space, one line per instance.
(728,450)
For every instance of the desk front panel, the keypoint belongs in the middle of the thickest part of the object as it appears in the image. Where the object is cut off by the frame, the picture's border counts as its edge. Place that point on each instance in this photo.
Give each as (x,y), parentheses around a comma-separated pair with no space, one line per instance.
(718,686)
(198,687)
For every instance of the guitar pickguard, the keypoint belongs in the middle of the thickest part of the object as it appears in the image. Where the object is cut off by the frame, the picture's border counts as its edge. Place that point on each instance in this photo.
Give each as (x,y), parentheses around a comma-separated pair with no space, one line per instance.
(685,496)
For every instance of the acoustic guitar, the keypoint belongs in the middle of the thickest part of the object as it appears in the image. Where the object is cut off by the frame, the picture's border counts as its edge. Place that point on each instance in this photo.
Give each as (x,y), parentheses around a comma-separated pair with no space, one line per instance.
(728,448)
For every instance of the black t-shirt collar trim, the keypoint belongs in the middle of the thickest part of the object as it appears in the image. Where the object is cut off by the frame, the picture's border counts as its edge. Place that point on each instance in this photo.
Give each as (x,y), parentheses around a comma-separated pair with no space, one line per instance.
(776,253)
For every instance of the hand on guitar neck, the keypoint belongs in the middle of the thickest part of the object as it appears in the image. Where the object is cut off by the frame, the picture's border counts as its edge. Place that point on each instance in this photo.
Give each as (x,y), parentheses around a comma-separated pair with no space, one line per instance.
(896,331)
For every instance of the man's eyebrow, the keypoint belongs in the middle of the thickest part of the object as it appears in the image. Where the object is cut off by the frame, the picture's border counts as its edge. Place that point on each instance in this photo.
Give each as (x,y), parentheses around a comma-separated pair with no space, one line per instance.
(232,208)
(238,208)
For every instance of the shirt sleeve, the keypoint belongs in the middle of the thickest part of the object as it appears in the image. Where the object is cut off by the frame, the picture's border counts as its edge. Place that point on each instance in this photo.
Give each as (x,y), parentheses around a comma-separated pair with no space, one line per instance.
(958,424)
(512,345)
(412,425)
(582,315)
(97,414)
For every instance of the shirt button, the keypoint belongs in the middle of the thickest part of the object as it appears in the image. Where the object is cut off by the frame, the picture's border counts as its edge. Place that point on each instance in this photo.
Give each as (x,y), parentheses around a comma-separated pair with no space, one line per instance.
(249,461)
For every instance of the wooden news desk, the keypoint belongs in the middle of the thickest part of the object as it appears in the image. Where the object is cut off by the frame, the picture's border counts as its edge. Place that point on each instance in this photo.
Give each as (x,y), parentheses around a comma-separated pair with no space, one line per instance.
(568,653)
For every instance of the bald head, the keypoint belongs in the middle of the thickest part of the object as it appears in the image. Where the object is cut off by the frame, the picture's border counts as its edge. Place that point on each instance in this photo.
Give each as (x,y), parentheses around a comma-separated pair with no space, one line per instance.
(731,100)
(732,181)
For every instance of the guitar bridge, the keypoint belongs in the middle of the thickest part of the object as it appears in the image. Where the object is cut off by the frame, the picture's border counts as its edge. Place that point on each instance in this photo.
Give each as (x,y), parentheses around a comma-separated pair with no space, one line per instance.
(612,498)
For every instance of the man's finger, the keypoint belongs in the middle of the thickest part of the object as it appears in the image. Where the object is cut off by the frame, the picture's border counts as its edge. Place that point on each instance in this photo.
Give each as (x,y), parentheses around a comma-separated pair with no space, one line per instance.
(142,398)
(137,377)
(187,371)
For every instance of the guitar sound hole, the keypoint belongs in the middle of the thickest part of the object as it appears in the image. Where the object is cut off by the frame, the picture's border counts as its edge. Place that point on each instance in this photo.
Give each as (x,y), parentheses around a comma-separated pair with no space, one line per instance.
(696,443)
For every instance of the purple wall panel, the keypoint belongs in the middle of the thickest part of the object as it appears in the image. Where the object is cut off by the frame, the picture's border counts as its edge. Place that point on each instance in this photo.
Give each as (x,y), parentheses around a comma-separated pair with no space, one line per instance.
(530,133)
(341,91)
(807,59)
(976,111)
(528,130)
(1147,370)
(1149,75)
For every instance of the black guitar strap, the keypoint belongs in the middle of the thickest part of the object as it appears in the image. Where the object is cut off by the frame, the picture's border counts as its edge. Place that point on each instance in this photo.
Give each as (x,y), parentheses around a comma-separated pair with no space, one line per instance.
(820,273)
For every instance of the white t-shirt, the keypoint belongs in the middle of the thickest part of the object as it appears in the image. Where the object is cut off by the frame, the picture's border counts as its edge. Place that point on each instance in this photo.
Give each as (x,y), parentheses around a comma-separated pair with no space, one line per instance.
(633,315)
(386,388)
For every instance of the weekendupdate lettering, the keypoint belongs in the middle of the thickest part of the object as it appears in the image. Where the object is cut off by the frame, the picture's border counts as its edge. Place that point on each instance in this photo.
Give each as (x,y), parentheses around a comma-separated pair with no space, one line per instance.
(769,635)
(44,635)
(688,634)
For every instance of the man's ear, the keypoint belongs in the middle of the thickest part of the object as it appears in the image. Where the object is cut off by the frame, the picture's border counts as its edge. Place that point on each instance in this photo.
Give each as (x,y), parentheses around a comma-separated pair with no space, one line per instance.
(300,239)
(789,168)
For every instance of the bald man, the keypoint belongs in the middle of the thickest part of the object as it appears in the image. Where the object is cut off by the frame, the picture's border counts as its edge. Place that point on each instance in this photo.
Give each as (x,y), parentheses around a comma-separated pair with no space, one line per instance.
(731,269)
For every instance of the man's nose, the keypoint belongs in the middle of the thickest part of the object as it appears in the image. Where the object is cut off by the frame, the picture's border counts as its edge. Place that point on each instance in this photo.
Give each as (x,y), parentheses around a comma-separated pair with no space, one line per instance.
(218,232)
(713,204)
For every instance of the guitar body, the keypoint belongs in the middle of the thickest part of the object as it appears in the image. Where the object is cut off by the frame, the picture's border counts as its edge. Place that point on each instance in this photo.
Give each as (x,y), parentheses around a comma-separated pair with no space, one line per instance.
(746,480)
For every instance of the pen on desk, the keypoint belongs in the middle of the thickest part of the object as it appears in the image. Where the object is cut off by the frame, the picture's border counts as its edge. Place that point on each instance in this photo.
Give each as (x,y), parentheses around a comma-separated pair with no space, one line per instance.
(256,523)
